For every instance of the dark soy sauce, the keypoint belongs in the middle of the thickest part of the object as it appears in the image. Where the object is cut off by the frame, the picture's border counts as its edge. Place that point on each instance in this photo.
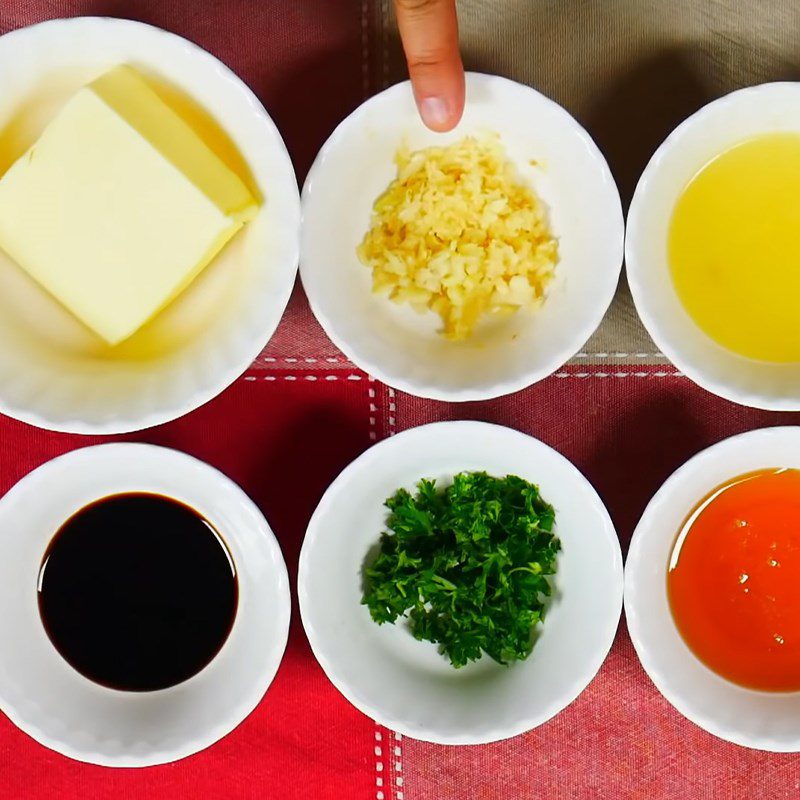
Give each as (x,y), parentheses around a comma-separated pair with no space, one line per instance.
(137,592)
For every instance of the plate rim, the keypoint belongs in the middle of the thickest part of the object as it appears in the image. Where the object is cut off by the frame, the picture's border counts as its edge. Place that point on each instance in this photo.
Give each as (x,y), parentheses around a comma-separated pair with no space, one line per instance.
(633,566)
(282,613)
(492,733)
(531,376)
(210,389)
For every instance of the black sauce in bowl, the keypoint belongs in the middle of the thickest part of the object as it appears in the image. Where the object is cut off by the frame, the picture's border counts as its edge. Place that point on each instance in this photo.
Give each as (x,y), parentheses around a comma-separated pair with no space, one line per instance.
(138,592)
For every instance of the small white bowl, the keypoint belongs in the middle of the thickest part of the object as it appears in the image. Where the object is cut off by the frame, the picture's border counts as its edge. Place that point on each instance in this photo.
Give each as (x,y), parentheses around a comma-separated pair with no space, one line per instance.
(761,720)
(403,348)
(408,685)
(53,372)
(65,711)
(741,115)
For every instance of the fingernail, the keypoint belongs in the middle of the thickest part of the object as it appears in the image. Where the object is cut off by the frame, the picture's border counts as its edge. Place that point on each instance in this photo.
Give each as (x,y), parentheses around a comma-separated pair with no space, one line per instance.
(434,112)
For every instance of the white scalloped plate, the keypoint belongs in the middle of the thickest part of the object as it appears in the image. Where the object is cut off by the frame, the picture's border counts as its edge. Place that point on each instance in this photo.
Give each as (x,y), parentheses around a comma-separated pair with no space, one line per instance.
(712,130)
(403,348)
(66,712)
(53,372)
(761,720)
(407,685)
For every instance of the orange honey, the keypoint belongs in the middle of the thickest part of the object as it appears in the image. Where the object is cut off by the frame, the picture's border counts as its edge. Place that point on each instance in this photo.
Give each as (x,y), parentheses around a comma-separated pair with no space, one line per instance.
(734,580)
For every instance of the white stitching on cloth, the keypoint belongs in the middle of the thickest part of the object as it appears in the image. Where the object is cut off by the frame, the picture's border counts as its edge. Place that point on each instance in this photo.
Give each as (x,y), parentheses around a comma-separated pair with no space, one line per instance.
(385,787)
(392,411)
(296,359)
(392,406)
(378,764)
(618,374)
(398,765)
(373,433)
(271,378)
(334,360)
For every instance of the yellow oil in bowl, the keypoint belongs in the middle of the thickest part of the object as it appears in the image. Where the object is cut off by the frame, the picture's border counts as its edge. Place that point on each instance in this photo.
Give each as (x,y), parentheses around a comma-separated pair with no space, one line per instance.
(734,248)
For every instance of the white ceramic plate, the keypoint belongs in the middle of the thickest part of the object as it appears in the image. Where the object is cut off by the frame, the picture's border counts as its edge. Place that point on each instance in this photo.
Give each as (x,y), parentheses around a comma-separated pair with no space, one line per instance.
(61,709)
(53,372)
(403,348)
(407,685)
(715,128)
(762,720)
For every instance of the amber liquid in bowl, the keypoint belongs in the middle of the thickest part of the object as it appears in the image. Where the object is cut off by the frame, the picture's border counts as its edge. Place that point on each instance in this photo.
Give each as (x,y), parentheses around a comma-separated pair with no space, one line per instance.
(734,580)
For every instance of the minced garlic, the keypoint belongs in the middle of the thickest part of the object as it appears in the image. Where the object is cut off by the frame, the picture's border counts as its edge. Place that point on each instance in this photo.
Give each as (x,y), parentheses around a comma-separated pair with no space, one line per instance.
(458,233)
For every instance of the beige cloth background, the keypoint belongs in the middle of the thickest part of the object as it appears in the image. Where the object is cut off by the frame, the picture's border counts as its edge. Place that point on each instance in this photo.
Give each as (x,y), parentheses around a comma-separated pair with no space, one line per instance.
(630,71)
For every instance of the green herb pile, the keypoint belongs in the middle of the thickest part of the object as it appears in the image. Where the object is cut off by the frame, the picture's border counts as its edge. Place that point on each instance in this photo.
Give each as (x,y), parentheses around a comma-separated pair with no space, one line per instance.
(467,564)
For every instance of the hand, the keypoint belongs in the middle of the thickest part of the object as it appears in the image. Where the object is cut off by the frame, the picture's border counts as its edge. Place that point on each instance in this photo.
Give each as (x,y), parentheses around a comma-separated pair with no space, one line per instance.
(429,30)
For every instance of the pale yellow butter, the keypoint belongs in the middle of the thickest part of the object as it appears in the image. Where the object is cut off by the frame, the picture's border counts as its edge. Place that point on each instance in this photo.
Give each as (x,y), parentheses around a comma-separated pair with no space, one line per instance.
(119,205)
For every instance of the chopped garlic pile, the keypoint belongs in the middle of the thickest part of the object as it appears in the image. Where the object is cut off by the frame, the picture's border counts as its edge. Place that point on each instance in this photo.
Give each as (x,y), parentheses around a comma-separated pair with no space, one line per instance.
(458,233)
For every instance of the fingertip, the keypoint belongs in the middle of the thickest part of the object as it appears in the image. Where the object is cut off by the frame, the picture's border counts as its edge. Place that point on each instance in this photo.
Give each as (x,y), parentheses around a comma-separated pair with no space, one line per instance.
(436,114)
(442,112)
(429,31)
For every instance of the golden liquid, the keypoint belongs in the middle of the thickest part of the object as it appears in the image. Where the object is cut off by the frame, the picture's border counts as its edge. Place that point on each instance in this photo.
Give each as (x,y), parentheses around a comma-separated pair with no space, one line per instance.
(734,248)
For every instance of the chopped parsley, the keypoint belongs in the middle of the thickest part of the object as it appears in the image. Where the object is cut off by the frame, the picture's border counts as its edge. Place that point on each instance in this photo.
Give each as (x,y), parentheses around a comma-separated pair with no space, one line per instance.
(468,565)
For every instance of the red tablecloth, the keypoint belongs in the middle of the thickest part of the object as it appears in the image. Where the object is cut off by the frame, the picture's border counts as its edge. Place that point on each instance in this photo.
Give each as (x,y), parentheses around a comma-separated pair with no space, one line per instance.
(283,442)
(283,435)
(302,412)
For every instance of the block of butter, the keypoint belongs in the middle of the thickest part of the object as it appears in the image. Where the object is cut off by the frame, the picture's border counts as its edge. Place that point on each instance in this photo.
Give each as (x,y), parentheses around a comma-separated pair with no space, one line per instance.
(119,205)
